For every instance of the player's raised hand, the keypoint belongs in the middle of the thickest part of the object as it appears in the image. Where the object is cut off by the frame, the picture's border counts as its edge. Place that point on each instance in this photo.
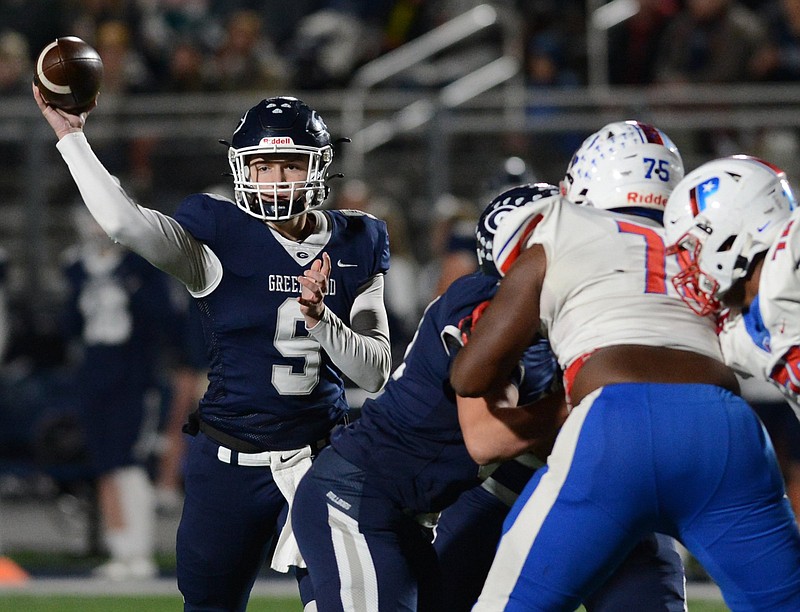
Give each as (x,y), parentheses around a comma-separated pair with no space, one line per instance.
(315,287)
(61,121)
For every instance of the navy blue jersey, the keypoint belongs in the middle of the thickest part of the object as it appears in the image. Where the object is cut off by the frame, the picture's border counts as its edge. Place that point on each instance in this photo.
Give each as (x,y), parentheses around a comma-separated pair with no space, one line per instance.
(270,382)
(121,319)
(409,439)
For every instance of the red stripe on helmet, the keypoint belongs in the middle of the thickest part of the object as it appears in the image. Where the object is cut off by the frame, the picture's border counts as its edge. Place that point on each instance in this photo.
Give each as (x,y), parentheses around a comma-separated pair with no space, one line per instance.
(693,201)
(523,238)
(651,134)
(763,162)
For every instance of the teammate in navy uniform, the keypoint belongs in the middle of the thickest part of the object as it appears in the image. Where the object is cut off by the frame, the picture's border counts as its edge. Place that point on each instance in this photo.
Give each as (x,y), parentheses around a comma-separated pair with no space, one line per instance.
(370,500)
(292,302)
(118,315)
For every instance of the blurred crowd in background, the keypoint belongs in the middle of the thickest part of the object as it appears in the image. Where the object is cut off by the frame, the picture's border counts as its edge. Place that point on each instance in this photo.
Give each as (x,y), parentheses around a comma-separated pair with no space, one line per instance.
(218,45)
(182,46)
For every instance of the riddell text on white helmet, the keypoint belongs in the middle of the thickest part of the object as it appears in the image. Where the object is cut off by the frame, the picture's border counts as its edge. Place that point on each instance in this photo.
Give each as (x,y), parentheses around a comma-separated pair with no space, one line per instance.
(277,140)
(658,199)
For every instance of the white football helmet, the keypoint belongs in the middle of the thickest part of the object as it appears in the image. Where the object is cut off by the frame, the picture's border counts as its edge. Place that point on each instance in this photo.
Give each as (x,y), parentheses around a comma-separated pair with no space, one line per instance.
(718,219)
(625,164)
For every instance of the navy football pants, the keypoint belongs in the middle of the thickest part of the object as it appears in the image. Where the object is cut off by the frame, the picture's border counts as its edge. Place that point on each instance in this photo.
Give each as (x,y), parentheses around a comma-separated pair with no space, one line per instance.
(651,578)
(231,514)
(363,553)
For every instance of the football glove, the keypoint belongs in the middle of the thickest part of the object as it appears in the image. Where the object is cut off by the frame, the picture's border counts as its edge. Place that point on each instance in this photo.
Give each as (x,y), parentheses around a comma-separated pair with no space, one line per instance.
(466,324)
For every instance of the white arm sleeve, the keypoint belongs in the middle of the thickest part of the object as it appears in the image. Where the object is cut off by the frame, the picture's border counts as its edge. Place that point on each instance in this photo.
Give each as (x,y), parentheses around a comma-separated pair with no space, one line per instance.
(362,352)
(155,236)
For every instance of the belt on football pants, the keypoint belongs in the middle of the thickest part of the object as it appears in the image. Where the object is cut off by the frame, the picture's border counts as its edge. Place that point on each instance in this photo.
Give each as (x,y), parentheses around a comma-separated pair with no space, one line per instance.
(234,457)
(227,455)
(240,452)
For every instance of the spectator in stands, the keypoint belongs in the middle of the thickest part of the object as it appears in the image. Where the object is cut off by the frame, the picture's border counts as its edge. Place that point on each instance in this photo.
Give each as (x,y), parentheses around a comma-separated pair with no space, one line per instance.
(711,41)
(547,66)
(15,64)
(633,45)
(780,62)
(187,70)
(781,59)
(124,69)
(328,46)
(246,58)
(452,244)
(280,17)
(167,24)
(39,22)
(84,17)
(404,22)
(125,72)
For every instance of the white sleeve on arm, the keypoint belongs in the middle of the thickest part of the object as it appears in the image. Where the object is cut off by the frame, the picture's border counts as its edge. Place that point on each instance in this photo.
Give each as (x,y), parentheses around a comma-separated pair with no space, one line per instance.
(362,352)
(157,237)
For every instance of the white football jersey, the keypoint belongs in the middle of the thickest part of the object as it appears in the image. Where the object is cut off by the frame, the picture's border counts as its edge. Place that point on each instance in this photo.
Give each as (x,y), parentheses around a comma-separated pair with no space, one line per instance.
(779,291)
(607,280)
(740,350)
(765,337)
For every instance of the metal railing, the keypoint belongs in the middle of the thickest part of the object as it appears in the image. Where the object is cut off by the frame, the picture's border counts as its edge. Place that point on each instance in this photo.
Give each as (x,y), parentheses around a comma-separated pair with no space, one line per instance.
(367,137)
(187,128)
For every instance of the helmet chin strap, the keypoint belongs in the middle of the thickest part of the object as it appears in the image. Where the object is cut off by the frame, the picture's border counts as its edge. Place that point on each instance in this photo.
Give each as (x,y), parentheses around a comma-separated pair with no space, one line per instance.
(294,204)
(745,256)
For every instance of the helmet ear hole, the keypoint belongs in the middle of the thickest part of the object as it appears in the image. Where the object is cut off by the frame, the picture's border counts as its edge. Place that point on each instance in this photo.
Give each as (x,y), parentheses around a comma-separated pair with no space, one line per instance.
(727,245)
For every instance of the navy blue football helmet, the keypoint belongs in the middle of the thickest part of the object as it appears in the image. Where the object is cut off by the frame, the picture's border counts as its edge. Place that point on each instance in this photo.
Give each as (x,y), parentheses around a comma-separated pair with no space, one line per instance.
(493,214)
(287,126)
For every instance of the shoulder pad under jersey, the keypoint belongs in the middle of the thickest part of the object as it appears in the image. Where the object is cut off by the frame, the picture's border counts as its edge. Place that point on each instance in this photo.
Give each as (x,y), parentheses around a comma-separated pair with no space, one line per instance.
(515,230)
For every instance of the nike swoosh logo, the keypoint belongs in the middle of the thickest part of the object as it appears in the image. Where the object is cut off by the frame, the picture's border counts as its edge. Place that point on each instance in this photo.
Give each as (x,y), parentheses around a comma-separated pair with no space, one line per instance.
(763,227)
(341,264)
(285,458)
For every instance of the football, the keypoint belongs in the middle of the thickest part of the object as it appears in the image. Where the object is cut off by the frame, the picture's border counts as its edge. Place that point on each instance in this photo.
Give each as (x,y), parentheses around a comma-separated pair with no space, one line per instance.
(69,73)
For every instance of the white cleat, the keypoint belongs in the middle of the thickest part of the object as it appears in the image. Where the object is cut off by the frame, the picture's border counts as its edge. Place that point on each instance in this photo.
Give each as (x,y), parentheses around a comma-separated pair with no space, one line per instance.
(131,569)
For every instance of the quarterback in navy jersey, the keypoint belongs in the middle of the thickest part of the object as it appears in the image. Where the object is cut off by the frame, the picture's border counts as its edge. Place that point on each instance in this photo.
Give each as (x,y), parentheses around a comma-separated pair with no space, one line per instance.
(291,300)
(276,407)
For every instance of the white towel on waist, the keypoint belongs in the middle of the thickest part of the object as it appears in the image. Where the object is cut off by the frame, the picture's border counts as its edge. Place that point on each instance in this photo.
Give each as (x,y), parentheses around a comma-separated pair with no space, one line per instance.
(288,467)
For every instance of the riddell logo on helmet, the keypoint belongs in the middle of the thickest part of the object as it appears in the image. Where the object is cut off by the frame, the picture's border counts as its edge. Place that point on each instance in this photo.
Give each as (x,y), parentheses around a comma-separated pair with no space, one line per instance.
(277,140)
(649,198)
